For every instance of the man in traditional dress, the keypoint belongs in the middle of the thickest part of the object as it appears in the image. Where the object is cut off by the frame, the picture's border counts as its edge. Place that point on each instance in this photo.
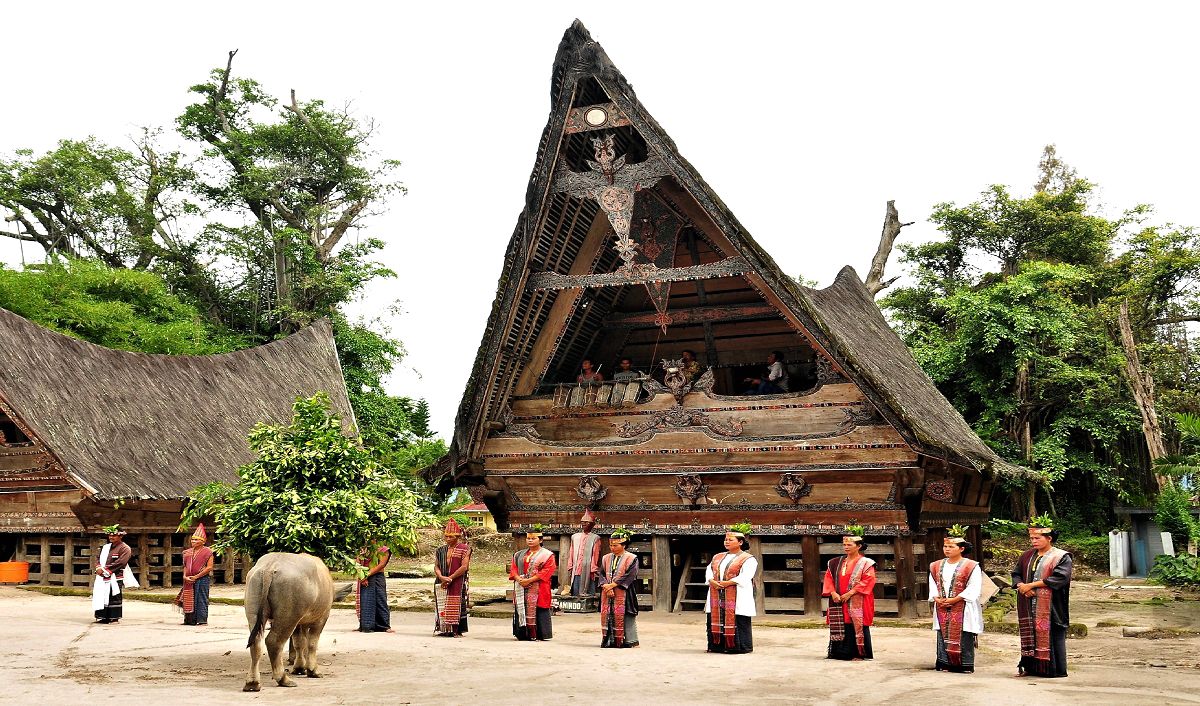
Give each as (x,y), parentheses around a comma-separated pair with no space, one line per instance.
(955,584)
(531,571)
(197,579)
(1042,577)
(111,574)
(370,598)
(850,586)
(583,559)
(730,606)
(618,593)
(451,563)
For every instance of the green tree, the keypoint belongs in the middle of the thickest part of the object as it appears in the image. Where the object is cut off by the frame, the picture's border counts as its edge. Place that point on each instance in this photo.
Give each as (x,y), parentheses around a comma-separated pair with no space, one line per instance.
(246,215)
(114,307)
(1013,314)
(311,489)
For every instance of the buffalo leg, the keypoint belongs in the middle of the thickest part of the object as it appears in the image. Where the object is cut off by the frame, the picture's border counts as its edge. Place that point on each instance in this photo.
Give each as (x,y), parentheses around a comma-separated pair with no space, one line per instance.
(279,634)
(311,639)
(299,650)
(256,650)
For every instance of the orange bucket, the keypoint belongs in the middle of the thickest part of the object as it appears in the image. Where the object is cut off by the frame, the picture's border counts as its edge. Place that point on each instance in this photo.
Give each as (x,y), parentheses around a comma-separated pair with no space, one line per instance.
(14,572)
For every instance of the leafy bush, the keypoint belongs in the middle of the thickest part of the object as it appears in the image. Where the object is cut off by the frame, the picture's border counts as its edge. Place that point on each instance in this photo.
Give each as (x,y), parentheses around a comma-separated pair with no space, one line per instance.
(997,527)
(1090,551)
(1181,570)
(311,489)
(1173,512)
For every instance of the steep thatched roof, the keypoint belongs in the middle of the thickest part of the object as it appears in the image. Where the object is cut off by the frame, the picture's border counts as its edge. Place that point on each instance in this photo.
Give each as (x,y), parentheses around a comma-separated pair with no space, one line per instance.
(847,314)
(134,425)
(843,317)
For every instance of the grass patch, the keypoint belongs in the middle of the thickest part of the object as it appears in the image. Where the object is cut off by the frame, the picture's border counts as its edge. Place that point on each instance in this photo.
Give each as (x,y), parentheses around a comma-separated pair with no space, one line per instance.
(167,598)
(1076,630)
(1113,624)
(820,624)
(1167,633)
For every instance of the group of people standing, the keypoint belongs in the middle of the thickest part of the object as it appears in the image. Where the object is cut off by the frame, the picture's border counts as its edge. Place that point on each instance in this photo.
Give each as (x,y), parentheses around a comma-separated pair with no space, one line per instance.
(1042,578)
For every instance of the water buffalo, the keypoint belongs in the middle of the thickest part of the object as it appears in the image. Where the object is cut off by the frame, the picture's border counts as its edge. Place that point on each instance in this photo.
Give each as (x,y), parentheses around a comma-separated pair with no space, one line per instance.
(294,592)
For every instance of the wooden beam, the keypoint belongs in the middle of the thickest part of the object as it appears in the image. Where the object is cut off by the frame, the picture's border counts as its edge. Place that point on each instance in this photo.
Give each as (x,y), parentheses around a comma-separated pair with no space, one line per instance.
(760,591)
(560,311)
(661,556)
(813,575)
(728,267)
(69,561)
(695,315)
(905,580)
(564,548)
(44,578)
(144,559)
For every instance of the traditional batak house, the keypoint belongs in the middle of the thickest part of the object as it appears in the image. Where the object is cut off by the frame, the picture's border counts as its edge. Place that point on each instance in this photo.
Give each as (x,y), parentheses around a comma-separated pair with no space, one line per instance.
(90,436)
(622,250)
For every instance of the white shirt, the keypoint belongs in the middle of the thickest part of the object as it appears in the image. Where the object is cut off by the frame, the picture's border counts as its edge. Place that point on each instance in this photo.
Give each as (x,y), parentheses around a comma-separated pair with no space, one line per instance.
(744,581)
(973,613)
(778,375)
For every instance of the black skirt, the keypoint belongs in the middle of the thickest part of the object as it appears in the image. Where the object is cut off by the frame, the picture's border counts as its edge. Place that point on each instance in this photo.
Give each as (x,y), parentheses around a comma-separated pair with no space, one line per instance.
(1056,666)
(112,612)
(968,654)
(545,630)
(848,647)
(743,639)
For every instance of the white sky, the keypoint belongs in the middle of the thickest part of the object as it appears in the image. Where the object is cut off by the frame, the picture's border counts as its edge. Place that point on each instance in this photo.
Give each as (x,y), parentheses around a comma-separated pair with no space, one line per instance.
(805,118)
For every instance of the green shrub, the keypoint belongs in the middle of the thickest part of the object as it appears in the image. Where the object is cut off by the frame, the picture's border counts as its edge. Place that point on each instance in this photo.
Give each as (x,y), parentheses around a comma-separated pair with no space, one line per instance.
(1090,551)
(1181,570)
(1173,512)
(1005,528)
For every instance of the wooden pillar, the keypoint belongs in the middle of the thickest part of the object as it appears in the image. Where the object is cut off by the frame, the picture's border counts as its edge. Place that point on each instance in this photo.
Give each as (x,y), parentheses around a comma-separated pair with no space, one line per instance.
(760,590)
(144,559)
(975,537)
(44,578)
(228,566)
(905,580)
(21,555)
(811,557)
(661,556)
(168,559)
(69,560)
(564,550)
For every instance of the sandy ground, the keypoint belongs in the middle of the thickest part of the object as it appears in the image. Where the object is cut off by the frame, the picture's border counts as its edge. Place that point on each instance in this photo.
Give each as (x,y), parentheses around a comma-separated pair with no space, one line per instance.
(53,654)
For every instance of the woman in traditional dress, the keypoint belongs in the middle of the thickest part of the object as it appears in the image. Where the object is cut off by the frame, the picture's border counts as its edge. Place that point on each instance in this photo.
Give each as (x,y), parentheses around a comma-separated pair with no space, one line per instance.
(452,561)
(850,585)
(111,574)
(531,571)
(955,584)
(730,605)
(371,602)
(197,579)
(618,593)
(1042,578)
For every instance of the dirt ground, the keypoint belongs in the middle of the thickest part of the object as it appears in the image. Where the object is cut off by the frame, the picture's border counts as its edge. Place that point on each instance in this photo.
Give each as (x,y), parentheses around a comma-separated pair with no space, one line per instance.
(53,653)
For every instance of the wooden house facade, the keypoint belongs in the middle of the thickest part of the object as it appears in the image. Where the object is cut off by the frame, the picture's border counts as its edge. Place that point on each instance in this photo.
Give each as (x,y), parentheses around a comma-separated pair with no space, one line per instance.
(90,436)
(622,250)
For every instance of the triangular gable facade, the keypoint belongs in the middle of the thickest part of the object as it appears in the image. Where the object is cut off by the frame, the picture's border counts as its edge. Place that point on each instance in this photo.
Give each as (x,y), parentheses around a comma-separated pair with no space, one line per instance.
(623,251)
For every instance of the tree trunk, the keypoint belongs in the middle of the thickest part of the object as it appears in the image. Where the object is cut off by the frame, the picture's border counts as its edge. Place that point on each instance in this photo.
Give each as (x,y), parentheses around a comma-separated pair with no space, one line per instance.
(1142,386)
(1024,432)
(891,228)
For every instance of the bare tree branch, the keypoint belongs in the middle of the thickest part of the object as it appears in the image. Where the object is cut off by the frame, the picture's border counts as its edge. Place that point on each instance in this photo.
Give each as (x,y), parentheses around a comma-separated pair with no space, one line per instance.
(1141,384)
(1174,319)
(891,229)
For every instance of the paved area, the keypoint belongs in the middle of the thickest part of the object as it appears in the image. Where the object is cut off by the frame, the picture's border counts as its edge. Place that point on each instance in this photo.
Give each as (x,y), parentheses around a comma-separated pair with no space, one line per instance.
(54,654)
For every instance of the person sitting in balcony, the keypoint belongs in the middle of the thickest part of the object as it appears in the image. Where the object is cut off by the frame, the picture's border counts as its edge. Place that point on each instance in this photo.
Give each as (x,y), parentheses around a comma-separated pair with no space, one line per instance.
(588,376)
(774,382)
(691,366)
(625,371)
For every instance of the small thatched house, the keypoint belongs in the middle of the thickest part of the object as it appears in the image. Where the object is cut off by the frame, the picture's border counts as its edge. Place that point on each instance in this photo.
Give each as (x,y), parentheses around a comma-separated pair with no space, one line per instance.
(624,252)
(90,436)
